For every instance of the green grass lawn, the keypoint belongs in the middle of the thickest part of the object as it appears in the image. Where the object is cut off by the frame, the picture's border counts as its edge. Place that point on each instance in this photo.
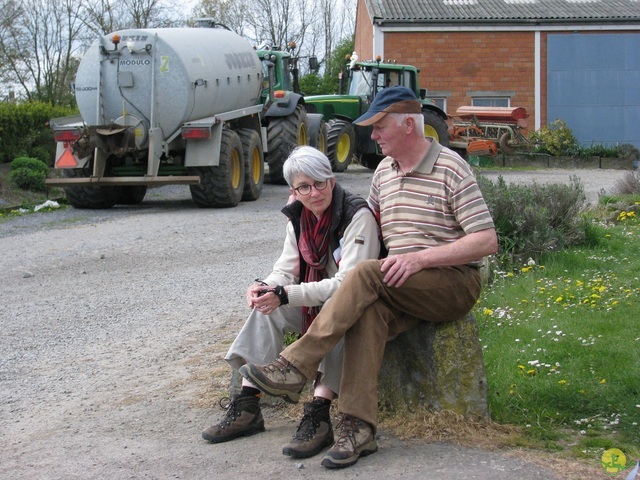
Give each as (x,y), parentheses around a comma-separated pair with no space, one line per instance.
(561,342)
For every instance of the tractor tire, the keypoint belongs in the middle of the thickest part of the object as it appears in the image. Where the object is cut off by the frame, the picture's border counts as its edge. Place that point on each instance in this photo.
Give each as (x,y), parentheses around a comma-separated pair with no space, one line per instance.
(221,186)
(341,144)
(89,197)
(436,127)
(318,132)
(131,194)
(283,135)
(253,164)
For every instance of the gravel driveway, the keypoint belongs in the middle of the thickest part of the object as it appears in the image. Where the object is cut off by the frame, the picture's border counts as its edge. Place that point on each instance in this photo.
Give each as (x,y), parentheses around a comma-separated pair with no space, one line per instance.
(114,324)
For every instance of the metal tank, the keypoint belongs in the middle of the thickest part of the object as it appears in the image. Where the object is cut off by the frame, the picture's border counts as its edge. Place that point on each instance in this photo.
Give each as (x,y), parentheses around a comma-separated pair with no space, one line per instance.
(162,78)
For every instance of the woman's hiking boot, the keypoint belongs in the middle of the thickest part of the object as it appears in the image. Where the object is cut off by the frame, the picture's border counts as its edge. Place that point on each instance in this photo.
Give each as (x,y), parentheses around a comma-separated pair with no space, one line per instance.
(243,418)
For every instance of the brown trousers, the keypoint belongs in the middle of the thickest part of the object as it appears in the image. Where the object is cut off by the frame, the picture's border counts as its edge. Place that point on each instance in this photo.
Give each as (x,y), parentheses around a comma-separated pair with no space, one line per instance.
(368,313)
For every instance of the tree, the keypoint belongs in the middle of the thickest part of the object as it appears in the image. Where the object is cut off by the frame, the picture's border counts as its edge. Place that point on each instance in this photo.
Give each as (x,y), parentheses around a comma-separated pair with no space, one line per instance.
(101,17)
(337,62)
(314,26)
(314,84)
(42,41)
(230,13)
(38,45)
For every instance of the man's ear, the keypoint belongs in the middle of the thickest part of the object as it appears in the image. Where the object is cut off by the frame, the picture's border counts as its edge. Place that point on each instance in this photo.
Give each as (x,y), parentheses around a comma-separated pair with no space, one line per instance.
(411,124)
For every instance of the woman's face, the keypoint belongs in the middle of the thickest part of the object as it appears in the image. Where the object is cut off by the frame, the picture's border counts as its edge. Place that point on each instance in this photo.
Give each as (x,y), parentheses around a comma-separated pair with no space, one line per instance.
(318,199)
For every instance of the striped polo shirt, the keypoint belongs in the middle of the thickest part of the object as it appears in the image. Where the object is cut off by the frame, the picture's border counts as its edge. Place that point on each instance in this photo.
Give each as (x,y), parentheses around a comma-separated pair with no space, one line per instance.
(435,203)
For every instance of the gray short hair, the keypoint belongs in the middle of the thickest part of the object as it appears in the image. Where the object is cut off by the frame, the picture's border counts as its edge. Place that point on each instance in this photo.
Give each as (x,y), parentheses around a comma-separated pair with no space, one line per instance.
(309,161)
(417,118)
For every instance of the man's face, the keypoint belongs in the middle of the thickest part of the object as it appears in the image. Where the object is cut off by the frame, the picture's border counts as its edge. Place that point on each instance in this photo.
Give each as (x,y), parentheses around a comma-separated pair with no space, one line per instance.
(389,135)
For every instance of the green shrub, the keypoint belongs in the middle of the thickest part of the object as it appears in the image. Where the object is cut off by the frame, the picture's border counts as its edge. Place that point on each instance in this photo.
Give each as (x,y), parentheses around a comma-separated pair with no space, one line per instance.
(628,185)
(29,163)
(25,131)
(535,219)
(28,173)
(601,151)
(555,139)
(626,150)
(27,179)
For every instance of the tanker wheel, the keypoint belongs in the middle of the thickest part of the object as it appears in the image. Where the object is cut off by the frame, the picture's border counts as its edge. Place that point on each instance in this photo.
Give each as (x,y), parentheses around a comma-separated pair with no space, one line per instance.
(436,127)
(131,194)
(504,143)
(318,132)
(89,196)
(341,144)
(283,135)
(253,164)
(221,186)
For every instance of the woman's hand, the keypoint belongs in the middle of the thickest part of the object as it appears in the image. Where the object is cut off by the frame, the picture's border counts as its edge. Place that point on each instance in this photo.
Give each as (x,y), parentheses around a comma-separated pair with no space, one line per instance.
(262,298)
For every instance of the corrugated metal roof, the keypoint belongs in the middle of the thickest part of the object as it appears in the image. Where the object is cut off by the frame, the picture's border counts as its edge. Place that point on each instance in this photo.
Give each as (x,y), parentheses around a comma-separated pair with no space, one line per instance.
(437,11)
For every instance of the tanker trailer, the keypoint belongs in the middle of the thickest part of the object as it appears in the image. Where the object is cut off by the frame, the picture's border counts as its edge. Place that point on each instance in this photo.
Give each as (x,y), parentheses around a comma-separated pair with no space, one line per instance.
(164,106)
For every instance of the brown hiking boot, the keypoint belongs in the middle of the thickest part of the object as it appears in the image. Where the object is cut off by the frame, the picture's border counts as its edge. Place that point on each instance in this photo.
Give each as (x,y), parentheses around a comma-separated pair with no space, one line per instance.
(356,439)
(243,418)
(313,434)
(278,378)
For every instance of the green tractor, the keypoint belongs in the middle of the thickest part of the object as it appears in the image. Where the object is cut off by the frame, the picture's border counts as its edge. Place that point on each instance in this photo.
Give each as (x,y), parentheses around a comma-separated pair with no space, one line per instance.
(364,80)
(287,121)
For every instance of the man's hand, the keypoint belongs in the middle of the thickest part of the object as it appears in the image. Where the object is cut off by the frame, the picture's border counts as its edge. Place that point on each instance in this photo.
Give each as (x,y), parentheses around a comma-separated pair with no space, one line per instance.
(397,268)
(470,248)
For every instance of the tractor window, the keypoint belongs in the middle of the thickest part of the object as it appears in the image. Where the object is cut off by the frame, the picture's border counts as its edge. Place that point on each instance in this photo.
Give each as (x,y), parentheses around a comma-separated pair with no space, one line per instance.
(282,80)
(265,76)
(360,83)
(395,77)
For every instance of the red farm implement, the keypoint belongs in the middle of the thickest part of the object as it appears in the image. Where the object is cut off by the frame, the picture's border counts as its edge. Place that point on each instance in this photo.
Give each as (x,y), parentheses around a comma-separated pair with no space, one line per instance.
(478,129)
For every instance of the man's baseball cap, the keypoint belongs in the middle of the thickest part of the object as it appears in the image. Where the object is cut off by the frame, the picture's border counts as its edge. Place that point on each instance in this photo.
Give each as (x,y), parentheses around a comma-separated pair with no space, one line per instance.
(396,99)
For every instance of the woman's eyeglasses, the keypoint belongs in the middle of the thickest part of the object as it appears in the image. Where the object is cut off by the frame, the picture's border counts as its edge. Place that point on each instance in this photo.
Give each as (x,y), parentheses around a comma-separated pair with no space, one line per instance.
(306,189)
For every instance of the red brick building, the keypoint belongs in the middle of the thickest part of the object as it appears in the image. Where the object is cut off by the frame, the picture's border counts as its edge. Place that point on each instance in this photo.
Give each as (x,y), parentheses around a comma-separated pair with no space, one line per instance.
(578,60)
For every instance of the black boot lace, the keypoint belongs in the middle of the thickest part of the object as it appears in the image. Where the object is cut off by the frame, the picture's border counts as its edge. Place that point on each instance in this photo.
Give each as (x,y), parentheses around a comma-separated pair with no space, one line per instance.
(233,412)
(307,428)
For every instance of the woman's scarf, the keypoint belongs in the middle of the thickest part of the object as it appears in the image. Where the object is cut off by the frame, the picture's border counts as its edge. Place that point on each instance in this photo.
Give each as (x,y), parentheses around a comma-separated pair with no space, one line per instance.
(314,249)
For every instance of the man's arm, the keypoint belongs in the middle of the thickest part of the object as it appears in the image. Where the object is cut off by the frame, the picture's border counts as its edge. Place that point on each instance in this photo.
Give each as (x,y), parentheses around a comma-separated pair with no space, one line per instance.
(471,247)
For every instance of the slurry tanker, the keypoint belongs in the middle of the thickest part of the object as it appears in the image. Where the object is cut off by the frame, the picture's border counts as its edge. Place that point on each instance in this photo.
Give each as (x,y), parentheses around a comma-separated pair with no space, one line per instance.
(191,106)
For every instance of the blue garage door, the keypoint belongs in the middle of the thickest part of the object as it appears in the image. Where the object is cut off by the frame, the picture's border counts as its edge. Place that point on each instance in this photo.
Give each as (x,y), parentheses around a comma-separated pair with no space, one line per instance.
(594,86)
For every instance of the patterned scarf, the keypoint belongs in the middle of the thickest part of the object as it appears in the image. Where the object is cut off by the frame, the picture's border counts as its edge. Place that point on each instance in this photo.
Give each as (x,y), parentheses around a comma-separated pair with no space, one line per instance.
(314,249)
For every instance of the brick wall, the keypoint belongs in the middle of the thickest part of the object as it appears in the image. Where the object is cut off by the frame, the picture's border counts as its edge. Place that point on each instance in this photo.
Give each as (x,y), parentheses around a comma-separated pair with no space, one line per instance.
(363,43)
(460,62)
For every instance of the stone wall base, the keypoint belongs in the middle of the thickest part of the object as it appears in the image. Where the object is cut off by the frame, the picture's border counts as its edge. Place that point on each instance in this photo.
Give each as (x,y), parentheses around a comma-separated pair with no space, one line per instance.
(439,366)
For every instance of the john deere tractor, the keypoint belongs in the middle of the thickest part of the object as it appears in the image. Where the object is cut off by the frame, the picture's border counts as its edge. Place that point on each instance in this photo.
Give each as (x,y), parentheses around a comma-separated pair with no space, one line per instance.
(364,80)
